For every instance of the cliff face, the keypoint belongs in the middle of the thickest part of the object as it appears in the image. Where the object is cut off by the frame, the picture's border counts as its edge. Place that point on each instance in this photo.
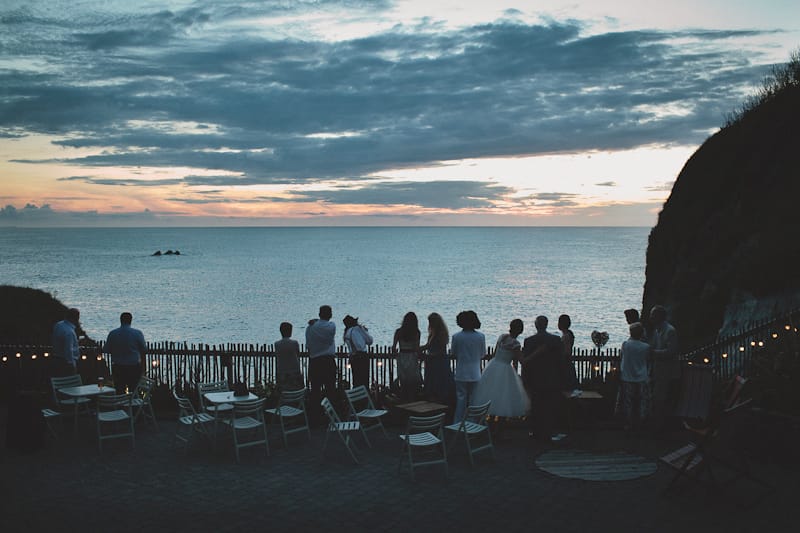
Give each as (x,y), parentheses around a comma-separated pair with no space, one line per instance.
(27,315)
(726,249)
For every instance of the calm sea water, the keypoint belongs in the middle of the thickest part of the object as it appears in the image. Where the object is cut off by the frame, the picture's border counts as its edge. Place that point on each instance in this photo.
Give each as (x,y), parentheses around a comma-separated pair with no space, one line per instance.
(238,284)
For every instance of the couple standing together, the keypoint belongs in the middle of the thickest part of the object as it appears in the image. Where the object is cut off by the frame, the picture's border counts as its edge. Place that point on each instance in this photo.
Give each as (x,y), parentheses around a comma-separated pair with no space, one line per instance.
(545,373)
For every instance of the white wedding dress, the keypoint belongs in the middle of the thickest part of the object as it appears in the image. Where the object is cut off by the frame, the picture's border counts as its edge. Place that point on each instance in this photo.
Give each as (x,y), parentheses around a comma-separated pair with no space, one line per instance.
(501,384)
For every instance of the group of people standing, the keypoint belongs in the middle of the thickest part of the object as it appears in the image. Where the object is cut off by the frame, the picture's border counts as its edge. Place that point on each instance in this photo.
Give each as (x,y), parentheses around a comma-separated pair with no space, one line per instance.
(650,370)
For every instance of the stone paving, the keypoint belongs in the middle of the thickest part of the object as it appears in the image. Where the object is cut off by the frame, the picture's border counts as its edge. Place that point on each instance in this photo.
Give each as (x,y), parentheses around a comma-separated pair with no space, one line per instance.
(70,486)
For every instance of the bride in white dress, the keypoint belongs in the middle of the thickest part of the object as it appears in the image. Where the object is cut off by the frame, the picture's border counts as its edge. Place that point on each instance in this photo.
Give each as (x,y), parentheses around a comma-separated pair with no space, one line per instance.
(499,382)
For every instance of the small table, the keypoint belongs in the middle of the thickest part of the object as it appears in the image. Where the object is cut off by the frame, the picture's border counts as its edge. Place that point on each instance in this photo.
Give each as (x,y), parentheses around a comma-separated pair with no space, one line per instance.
(84,391)
(573,397)
(422,408)
(218,398)
(228,397)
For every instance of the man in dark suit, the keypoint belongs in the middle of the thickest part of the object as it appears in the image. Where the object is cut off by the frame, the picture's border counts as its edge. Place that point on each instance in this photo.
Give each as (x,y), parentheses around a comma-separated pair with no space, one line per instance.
(543,374)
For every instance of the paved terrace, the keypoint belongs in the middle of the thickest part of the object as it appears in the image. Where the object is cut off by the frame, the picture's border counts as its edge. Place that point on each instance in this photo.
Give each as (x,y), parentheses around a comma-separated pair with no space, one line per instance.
(69,486)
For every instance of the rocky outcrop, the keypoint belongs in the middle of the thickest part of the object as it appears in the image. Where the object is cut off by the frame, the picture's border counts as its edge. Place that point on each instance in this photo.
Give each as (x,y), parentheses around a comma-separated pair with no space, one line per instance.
(725,252)
(27,315)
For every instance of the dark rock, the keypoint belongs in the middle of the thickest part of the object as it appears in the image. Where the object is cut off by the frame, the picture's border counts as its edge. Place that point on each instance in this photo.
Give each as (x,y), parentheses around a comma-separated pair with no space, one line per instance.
(724,253)
(157,252)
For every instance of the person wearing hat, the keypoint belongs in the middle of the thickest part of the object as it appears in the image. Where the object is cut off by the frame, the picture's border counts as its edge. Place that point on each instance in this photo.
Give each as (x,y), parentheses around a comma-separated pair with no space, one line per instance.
(357,338)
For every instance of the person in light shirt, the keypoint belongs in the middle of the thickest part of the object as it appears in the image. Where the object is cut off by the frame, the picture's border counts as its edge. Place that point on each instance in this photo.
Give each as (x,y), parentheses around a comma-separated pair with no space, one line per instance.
(127,348)
(321,346)
(633,400)
(357,338)
(468,347)
(66,350)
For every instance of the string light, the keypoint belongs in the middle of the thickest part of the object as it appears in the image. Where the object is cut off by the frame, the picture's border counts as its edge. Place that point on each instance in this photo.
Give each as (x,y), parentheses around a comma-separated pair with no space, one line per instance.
(47,354)
(19,355)
(725,355)
(705,360)
(787,327)
(5,358)
(741,348)
(761,343)
(33,356)
(774,335)
(83,357)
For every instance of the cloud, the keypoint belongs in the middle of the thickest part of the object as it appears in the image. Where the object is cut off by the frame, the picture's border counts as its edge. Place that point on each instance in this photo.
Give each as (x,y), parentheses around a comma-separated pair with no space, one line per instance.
(458,194)
(124,182)
(606,184)
(258,101)
(661,187)
(44,216)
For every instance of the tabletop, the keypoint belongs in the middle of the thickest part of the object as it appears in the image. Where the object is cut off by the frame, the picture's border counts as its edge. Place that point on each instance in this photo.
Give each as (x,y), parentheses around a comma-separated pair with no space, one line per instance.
(228,397)
(86,390)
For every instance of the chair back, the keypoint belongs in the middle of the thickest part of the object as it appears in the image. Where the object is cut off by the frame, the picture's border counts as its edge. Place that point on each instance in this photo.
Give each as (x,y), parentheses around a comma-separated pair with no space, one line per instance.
(62,382)
(113,402)
(330,411)
(144,388)
(735,391)
(185,407)
(252,408)
(293,397)
(421,424)
(697,384)
(212,386)
(478,413)
(359,394)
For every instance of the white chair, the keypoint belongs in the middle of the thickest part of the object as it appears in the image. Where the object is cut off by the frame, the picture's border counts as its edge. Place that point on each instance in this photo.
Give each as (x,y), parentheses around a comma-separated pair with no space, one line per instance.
(473,427)
(248,418)
(50,415)
(342,429)
(114,411)
(141,402)
(64,402)
(363,410)
(222,410)
(192,420)
(291,406)
(423,443)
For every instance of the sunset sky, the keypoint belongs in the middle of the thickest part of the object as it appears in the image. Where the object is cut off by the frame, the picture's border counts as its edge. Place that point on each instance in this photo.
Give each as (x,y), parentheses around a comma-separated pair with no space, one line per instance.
(417,112)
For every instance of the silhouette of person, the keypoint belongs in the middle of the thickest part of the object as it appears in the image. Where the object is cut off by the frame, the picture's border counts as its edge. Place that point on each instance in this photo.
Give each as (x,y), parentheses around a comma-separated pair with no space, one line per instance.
(66,349)
(439,383)
(406,341)
(321,346)
(468,347)
(288,374)
(357,338)
(666,371)
(127,348)
(568,340)
(543,374)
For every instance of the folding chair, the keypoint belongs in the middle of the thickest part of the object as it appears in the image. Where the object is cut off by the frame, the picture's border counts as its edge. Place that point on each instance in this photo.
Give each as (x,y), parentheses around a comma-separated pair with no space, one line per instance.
(192,420)
(114,410)
(63,402)
(472,427)
(695,460)
(216,410)
(141,401)
(291,406)
(248,418)
(50,415)
(342,429)
(425,437)
(362,409)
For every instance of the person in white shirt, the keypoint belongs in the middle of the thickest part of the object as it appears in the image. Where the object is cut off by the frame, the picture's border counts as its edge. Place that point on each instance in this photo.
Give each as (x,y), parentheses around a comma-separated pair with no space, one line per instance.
(321,346)
(634,399)
(468,347)
(66,350)
(357,338)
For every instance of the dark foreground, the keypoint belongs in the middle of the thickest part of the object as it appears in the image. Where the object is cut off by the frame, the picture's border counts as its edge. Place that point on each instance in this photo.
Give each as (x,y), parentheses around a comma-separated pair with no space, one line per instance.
(69,486)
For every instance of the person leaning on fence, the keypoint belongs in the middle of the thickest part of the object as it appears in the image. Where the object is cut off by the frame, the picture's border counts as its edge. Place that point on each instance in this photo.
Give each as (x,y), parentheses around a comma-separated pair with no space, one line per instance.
(568,340)
(127,348)
(66,350)
(468,347)
(288,375)
(357,338)
(321,346)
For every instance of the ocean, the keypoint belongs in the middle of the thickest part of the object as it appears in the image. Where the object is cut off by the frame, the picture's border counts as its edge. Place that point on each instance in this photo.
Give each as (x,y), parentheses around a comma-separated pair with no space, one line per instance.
(236,285)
